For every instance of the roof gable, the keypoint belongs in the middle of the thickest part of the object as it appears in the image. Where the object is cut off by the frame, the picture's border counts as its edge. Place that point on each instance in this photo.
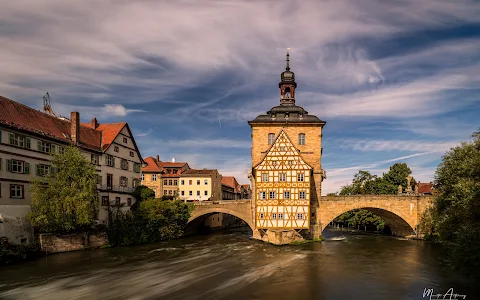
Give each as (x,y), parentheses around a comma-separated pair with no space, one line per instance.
(282,155)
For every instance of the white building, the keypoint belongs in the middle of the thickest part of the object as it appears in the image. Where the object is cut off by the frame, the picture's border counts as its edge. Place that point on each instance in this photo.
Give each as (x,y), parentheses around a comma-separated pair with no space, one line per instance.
(29,137)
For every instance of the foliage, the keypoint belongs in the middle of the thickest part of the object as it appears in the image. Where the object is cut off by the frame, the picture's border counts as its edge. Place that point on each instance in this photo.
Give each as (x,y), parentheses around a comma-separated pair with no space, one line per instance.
(11,253)
(365,183)
(152,220)
(332,194)
(143,193)
(362,218)
(456,211)
(65,199)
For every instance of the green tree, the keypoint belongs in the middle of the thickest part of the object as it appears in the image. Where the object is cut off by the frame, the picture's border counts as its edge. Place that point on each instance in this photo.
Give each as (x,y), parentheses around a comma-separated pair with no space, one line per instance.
(65,199)
(143,193)
(457,204)
(397,175)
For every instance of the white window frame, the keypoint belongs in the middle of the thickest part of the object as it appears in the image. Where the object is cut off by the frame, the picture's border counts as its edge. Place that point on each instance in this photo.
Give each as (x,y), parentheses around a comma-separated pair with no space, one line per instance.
(286,195)
(280,216)
(274,216)
(264,177)
(271,138)
(300,177)
(270,194)
(282,177)
(263,195)
(302,195)
(154,177)
(17,191)
(302,139)
(299,216)
(205,182)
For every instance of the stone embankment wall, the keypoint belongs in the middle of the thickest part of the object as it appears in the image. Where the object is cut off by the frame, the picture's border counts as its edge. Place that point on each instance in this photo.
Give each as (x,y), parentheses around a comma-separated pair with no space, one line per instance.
(52,243)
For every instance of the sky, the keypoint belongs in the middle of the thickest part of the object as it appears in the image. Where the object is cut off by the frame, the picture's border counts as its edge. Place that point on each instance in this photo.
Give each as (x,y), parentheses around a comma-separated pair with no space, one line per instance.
(396,81)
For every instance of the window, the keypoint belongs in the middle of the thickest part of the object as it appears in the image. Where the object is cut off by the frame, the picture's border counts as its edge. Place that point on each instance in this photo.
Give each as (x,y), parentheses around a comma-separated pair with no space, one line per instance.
(264,177)
(302,195)
(135,182)
(175,171)
(190,193)
(143,177)
(105,200)
(99,179)
(286,195)
(183,193)
(272,195)
(198,193)
(110,161)
(198,182)
(175,193)
(282,177)
(18,140)
(136,168)
(280,216)
(301,139)
(123,181)
(274,216)
(125,140)
(94,159)
(263,195)
(300,177)
(206,193)
(190,182)
(45,147)
(18,166)
(282,148)
(205,182)
(16,191)
(165,192)
(124,164)
(290,162)
(42,170)
(170,192)
(271,138)
(116,149)
(129,201)
(183,182)
(170,182)
(154,177)
(117,201)
(261,215)
(300,216)
(132,154)
(165,182)
(175,182)
(61,149)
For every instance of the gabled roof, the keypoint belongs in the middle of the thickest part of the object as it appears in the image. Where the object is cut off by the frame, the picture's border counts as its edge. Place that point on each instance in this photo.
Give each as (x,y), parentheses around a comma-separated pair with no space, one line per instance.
(425,188)
(151,166)
(199,172)
(22,117)
(246,186)
(292,149)
(231,182)
(110,132)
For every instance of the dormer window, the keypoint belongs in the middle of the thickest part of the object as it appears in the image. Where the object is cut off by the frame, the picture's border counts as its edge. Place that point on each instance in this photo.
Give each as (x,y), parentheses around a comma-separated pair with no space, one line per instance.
(286,115)
(273,116)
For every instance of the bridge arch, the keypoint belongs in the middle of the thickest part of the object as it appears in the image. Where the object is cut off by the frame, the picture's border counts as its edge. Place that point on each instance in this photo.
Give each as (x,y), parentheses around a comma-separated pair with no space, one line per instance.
(210,211)
(400,214)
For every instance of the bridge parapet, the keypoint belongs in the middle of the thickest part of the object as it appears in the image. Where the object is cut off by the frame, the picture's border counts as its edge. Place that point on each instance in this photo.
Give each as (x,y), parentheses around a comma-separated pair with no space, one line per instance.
(376,197)
(222,202)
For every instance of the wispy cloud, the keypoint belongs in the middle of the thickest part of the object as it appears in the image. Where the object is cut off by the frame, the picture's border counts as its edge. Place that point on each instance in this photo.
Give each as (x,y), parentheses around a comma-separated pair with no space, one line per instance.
(395,145)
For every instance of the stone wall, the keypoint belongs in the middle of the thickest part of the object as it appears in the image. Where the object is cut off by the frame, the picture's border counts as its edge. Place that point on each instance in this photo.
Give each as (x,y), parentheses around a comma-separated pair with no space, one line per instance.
(52,243)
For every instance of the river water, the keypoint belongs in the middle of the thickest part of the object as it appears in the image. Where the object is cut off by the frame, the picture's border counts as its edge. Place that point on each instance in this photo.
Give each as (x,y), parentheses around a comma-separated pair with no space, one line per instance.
(230,265)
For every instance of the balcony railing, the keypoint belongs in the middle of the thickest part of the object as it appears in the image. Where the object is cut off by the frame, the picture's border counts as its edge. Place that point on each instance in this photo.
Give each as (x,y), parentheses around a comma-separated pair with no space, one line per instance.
(115,188)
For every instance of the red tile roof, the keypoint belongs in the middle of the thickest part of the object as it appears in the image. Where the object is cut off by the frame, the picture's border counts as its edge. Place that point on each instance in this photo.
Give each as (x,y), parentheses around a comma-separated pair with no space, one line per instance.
(229,181)
(425,188)
(110,132)
(22,117)
(246,186)
(199,172)
(152,165)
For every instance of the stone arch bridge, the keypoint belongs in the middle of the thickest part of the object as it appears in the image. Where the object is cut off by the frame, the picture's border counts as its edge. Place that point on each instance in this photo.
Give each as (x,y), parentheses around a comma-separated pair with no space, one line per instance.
(402,213)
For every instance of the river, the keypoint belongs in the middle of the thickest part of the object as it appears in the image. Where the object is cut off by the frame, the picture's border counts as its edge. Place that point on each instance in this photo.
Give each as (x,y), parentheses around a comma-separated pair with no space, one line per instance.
(230,265)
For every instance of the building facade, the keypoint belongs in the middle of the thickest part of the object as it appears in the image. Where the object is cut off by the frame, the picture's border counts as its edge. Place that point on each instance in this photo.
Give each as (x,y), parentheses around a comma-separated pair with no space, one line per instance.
(163,177)
(230,188)
(29,138)
(287,173)
(200,185)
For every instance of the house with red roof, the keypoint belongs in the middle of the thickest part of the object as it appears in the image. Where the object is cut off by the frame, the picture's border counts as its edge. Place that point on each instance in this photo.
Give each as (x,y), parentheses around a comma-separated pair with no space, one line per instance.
(28,138)
(163,176)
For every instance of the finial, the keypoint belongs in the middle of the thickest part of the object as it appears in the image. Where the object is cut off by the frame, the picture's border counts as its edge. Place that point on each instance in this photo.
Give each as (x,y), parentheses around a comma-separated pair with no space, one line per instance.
(288,60)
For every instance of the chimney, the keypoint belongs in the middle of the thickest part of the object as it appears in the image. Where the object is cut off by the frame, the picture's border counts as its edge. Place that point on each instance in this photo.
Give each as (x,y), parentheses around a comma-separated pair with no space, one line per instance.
(157,158)
(94,123)
(75,127)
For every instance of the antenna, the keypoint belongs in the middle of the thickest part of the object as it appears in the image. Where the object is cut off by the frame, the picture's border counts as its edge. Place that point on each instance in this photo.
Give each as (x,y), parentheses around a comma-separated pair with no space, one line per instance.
(46,105)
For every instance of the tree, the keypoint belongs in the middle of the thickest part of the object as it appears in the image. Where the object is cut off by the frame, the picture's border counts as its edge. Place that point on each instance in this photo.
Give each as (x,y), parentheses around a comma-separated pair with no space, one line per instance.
(457,204)
(397,175)
(64,199)
(143,193)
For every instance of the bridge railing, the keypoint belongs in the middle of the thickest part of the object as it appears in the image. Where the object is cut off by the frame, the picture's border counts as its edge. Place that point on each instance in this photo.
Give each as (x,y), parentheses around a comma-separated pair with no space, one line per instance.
(243,201)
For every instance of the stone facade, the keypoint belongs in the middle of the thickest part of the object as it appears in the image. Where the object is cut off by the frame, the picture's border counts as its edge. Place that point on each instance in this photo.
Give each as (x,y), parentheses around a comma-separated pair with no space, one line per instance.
(51,243)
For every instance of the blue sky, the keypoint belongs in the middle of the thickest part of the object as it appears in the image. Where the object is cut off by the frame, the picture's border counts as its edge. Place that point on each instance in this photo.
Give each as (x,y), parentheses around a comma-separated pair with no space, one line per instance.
(396,81)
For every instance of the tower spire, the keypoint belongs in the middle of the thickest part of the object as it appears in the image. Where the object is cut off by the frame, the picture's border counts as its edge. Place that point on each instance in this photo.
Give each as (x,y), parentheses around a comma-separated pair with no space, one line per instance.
(288,60)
